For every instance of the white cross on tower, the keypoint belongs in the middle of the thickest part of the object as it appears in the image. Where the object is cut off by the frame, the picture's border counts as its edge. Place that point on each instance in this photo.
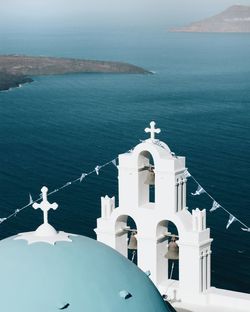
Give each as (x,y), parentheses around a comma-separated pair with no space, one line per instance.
(45,206)
(152,130)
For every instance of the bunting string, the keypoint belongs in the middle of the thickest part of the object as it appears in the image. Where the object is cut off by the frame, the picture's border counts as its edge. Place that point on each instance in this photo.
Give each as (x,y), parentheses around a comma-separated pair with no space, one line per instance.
(215,205)
(200,190)
(65,185)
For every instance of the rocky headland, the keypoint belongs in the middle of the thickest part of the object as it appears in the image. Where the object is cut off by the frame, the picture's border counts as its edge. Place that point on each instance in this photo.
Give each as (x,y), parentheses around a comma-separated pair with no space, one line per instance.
(17,69)
(235,19)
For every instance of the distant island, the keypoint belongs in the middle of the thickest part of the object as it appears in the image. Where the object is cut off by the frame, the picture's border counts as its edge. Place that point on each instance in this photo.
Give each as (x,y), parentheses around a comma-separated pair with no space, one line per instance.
(235,19)
(18,69)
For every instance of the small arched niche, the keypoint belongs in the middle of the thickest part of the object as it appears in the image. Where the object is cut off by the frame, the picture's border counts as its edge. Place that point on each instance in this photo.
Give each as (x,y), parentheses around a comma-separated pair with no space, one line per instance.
(167,252)
(126,237)
(146,178)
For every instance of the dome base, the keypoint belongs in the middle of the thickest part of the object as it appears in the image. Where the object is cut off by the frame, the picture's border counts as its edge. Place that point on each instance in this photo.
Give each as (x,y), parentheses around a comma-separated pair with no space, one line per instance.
(37,237)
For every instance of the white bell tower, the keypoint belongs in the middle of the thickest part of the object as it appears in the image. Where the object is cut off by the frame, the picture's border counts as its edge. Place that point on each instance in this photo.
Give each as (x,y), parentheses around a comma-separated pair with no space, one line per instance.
(152,209)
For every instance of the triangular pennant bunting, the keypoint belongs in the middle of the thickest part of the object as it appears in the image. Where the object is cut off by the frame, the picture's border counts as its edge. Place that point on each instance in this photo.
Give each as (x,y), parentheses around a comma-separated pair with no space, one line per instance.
(199,191)
(114,162)
(2,220)
(97,168)
(31,201)
(246,229)
(215,206)
(83,175)
(230,220)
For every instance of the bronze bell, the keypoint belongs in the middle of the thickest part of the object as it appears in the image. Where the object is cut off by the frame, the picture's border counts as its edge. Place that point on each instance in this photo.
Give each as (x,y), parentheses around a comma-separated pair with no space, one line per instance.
(132,242)
(150,179)
(173,250)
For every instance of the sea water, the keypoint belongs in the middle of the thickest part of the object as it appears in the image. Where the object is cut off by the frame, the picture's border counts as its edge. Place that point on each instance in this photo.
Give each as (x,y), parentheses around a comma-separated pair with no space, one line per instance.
(58,127)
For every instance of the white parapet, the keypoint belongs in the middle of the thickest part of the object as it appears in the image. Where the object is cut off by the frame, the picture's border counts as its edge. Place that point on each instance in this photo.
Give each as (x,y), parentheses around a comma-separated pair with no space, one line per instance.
(199,220)
(227,299)
(107,206)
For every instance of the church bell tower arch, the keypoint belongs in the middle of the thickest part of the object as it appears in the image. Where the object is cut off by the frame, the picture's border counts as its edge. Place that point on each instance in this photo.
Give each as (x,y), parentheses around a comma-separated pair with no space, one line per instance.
(146,178)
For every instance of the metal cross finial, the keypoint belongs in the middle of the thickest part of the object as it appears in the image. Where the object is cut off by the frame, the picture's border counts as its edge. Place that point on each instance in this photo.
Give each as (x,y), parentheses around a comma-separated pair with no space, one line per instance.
(45,206)
(152,130)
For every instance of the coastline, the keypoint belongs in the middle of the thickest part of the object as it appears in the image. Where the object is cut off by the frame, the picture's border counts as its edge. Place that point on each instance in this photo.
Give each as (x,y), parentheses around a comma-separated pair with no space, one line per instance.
(16,70)
(8,81)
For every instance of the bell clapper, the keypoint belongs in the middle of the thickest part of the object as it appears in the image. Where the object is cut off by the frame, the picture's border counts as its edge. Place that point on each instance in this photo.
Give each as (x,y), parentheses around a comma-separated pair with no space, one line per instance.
(172,270)
(133,255)
(132,245)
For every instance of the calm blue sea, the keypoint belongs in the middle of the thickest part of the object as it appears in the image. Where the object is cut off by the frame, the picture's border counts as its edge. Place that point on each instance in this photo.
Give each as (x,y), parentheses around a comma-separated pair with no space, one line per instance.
(60,126)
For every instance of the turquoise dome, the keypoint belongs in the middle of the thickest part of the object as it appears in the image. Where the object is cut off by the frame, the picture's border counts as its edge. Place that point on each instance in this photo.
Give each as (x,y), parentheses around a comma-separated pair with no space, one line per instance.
(82,275)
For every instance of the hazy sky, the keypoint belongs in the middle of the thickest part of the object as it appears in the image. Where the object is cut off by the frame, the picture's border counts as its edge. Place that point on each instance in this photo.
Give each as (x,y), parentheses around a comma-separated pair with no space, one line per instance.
(113,12)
